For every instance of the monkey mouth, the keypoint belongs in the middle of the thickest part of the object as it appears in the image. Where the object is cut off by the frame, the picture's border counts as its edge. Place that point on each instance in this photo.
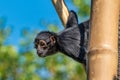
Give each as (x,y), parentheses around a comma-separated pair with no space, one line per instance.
(41,54)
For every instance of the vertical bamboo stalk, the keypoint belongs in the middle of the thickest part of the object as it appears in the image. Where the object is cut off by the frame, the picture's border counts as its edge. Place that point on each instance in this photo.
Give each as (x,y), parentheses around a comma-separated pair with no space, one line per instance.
(103,46)
(62,10)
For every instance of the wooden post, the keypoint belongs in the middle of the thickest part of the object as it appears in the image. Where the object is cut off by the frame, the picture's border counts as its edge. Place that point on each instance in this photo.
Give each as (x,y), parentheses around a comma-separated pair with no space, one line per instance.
(62,10)
(103,46)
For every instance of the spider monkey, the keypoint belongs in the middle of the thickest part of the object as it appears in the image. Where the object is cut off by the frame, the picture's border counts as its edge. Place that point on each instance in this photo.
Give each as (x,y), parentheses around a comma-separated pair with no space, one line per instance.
(72,41)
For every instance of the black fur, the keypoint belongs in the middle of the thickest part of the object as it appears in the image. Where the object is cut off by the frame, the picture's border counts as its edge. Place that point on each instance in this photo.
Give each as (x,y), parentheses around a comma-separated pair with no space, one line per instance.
(71,41)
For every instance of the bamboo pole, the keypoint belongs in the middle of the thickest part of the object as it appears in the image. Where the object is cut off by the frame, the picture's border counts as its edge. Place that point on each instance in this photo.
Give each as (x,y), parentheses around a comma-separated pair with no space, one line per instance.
(62,10)
(103,45)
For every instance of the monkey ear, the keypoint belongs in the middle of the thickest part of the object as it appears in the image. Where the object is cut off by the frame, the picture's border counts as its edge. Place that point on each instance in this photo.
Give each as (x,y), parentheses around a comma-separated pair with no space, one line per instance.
(52,39)
(72,19)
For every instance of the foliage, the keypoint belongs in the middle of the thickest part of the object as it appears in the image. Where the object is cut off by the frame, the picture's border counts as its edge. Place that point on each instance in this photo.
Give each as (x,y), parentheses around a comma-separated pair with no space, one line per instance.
(83,7)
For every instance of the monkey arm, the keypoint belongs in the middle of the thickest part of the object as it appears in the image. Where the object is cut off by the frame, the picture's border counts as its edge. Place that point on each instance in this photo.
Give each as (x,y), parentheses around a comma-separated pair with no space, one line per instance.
(72,20)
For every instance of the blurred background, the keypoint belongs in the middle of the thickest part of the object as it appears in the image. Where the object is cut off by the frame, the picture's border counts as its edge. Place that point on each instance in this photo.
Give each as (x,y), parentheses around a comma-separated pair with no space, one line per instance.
(20,21)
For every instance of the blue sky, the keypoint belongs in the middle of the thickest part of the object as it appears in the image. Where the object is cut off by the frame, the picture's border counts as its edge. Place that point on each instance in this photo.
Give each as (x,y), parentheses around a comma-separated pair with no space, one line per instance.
(29,14)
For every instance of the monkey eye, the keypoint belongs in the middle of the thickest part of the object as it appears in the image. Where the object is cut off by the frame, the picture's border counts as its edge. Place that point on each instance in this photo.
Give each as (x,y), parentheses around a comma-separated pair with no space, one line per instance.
(42,43)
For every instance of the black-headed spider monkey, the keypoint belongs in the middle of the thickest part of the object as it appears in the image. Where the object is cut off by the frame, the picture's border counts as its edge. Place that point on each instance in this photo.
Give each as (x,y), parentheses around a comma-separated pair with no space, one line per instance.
(72,41)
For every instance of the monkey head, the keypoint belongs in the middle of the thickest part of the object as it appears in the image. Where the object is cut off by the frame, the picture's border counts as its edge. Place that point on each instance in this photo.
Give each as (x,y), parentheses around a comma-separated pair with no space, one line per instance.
(45,43)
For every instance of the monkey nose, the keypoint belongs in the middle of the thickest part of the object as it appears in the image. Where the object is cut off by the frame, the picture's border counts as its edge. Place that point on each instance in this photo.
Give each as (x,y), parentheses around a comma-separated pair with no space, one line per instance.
(38,51)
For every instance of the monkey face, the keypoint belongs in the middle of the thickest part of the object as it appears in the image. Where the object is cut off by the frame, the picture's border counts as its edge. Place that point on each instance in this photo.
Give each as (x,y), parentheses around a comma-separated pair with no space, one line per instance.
(44,44)
(41,47)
